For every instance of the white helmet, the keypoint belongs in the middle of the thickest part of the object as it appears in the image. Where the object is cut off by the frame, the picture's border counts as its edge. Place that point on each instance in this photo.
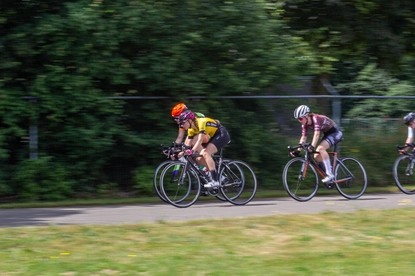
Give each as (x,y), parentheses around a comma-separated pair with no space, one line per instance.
(301,111)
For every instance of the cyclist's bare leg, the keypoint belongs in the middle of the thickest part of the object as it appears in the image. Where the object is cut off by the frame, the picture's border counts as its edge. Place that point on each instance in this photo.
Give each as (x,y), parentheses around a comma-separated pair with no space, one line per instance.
(200,161)
(207,156)
(323,156)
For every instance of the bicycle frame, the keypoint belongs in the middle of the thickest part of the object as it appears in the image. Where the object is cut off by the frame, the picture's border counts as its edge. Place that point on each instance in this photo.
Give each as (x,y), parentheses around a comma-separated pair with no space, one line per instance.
(309,159)
(218,159)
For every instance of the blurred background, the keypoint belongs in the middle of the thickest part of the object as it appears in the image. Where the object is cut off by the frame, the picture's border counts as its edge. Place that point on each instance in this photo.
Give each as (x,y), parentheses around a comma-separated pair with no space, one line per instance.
(87,87)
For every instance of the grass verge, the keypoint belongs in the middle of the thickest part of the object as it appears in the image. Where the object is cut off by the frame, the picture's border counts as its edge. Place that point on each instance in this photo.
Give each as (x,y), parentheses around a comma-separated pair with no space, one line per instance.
(358,243)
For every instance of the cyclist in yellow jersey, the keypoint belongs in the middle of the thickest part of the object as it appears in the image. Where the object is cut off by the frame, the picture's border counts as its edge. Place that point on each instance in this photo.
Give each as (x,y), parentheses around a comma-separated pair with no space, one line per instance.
(211,137)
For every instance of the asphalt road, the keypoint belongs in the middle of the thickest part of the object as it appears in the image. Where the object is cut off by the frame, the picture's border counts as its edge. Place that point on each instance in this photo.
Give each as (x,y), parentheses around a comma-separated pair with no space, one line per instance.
(148,213)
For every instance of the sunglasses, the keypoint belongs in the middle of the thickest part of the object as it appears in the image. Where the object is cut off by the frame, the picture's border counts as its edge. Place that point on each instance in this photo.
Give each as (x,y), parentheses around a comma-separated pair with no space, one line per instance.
(182,124)
(302,118)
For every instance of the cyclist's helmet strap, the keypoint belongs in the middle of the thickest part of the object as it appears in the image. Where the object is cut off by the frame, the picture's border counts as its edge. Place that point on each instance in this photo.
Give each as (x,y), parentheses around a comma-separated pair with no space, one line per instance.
(301,111)
(409,118)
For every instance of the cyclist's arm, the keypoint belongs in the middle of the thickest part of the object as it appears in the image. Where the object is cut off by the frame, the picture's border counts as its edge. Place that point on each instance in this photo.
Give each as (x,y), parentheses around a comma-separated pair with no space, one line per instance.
(315,138)
(408,141)
(187,142)
(303,139)
(198,144)
(180,136)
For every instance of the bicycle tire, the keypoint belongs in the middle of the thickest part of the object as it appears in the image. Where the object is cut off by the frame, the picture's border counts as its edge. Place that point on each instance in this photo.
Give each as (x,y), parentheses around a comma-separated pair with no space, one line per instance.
(403,174)
(156,177)
(219,195)
(185,191)
(357,184)
(239,183)
(301,187)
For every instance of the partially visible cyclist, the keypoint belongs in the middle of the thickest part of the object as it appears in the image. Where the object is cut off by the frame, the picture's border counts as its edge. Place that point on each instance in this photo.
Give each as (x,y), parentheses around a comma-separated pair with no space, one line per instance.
(320,124)
(409,120)
(210,137)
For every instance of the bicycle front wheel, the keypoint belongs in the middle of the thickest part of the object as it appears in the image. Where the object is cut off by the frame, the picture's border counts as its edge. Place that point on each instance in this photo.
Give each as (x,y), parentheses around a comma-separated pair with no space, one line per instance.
(179,186)
(351,178)
(403,172)
(238,182)
(300,179)
(156,178)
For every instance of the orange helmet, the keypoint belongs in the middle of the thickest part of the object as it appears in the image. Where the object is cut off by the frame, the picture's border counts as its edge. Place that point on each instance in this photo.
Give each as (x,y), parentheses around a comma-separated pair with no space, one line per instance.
(178,109)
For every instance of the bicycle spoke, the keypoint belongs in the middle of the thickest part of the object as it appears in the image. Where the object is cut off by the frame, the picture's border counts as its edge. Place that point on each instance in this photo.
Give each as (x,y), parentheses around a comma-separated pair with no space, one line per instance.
(156,179)
(351,178)
(238,182)
(300,181)
(180,188)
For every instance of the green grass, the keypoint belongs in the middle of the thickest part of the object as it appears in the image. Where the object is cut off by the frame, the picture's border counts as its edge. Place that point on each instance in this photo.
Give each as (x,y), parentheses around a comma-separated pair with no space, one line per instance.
(360,243)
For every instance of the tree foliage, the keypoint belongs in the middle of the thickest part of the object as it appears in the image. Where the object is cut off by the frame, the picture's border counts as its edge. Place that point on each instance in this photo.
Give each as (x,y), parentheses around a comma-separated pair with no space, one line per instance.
(372,81)
(72,57)
(351,34)
(63,63)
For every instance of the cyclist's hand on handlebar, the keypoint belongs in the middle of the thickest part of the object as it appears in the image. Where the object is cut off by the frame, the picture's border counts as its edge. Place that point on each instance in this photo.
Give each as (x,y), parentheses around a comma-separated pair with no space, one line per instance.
(180,155)
(402,151)
(295,153)
(174,156)
(311,148)
(189,152)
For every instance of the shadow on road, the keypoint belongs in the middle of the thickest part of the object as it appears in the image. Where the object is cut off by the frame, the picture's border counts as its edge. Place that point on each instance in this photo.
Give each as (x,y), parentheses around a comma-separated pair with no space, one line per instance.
(32,217)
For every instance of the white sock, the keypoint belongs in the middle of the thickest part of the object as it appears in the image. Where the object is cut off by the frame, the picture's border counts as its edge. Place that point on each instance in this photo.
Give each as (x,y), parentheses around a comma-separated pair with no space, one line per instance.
(328,166)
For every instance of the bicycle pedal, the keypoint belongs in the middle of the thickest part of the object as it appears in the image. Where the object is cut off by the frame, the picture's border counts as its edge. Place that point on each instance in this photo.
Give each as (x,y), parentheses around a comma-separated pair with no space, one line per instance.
(329,186)
(204,193)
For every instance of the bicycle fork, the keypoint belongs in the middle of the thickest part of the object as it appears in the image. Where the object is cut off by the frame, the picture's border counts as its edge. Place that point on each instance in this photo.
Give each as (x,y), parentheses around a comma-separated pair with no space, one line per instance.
(303,171)
(409,170)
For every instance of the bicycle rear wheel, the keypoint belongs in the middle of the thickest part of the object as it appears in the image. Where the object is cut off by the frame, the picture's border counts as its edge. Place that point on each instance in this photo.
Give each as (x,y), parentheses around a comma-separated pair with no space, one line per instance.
(353,178)
(403,172)
(156,178)
(182,191)
(220,195)
(300,180)
(238,182)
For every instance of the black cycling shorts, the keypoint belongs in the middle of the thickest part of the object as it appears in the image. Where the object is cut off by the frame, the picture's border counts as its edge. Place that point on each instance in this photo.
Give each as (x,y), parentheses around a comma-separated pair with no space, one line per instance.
(333,136)
(221,138)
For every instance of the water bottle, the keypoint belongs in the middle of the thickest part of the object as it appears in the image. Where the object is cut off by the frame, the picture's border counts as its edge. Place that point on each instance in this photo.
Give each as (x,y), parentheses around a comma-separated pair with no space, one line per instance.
(176,168)
(175,173)
(205,170)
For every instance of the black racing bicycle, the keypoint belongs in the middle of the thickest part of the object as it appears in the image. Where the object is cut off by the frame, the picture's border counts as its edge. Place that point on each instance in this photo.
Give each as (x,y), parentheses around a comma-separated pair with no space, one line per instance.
(301,175)
(403,170)
(173,151)
(181,183)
